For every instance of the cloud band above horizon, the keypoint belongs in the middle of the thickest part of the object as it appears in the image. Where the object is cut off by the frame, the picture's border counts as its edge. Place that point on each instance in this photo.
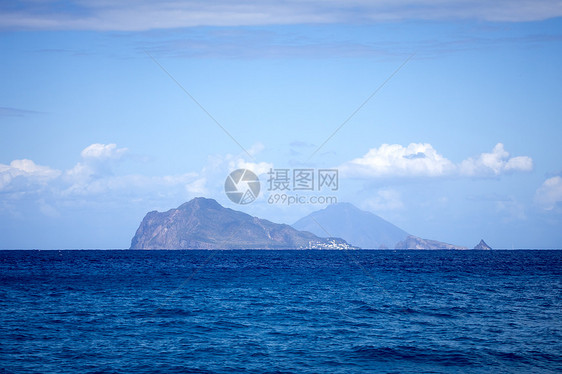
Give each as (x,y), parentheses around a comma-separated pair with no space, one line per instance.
(422,160)
(124,15)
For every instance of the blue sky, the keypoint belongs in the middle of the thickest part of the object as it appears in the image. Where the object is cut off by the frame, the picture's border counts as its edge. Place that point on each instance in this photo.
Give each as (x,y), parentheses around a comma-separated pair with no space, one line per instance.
(461,143)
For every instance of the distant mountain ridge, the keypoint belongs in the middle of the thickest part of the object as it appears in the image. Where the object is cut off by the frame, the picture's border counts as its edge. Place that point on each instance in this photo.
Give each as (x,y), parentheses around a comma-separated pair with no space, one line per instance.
(364,229)
(344,220)
(205,224)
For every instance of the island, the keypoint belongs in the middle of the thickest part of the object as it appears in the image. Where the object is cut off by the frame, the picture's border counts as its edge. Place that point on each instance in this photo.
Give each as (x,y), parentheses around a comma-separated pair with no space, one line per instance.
(205,224)
(482,246)
(364,229)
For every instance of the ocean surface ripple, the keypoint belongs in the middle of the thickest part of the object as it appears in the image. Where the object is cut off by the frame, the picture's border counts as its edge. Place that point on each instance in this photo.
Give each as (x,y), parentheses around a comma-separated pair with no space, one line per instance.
(281,311)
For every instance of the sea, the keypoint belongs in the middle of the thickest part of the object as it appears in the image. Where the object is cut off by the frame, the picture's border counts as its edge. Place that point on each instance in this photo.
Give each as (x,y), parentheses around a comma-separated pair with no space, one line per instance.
(251,311)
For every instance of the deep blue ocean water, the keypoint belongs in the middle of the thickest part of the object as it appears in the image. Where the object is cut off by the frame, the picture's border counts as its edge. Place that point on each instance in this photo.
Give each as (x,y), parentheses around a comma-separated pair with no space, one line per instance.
(281,311)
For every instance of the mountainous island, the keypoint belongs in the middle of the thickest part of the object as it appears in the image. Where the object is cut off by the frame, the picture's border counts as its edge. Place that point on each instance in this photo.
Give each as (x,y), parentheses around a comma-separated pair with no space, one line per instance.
(204,224)
(482,245)
(364,229)
(413,242)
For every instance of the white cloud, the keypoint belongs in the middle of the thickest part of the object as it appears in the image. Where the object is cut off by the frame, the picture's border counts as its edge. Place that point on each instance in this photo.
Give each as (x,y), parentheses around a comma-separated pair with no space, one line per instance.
(134,185)
(219,166)
(257,167)
(92,178)
(81,172)
(197,187)
(394,160)
(103,152)
(97,162)
(145,15)
(495,163)
(519,163)
(28,171)
(549,193)
(30,168)
(239,162)
(422,160)
(92,182)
